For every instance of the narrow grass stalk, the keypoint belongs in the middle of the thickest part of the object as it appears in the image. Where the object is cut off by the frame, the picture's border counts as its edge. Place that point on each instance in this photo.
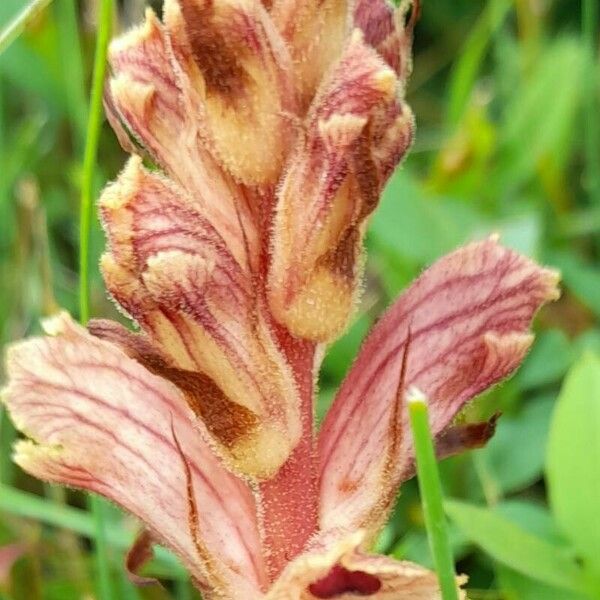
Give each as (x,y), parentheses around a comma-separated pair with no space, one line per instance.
(468,65)
(590,16)
(431,495)
(14,29)
(69,47)
(104,583)
(89,159)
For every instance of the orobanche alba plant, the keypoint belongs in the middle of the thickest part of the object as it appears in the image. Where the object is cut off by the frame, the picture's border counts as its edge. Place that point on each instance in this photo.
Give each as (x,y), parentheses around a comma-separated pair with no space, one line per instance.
(261,136)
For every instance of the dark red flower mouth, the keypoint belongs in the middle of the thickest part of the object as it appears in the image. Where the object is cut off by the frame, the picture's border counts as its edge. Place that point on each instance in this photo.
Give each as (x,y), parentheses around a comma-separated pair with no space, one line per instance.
(341,581)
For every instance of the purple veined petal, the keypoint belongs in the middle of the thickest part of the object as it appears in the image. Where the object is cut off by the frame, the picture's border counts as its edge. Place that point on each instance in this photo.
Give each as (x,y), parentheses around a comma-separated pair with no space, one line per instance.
(236,73)
(469,317)
(96,419)
(389,30)
(315,32)
(172,272)
(331,185)
(145,98)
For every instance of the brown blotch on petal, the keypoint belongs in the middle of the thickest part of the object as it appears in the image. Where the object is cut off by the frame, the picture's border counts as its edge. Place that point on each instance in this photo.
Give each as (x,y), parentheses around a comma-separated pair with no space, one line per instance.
(341,260)
(365,173)
(137,556)
(467,436)
(226,420)
(458,439)
(214,56)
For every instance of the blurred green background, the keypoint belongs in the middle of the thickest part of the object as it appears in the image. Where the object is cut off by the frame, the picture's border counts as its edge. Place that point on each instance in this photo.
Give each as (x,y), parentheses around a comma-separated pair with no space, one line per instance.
(506,98)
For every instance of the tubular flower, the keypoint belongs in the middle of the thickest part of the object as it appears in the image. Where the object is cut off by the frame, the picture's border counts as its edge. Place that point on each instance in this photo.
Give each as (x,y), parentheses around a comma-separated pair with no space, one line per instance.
(272,129)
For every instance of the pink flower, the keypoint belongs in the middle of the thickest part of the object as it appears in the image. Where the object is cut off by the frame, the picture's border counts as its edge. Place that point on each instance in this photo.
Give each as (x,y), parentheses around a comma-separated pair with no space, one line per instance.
(273,129)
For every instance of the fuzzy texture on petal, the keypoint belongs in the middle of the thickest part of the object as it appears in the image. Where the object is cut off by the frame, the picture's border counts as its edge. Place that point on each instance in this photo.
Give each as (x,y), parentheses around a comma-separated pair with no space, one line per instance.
(149,100)
(332,184)
(172,272)
(99,421)
(315,31)
(237,73)
(334,566)
(386,29)
(468,319)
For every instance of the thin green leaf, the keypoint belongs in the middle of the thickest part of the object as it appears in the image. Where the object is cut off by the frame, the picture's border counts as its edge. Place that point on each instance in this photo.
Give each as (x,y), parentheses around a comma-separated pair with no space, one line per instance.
(590,16)
(104,582)
(516,548)
(519,587)
(464,73)
(431,496)
(14,29)
(573,459)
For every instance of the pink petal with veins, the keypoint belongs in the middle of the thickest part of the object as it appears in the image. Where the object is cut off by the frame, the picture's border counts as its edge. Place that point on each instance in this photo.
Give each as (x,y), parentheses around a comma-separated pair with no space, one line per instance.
(387,29)
(468,316)
(237,75)
(332,184)
(172,271)
(99,421)
(147,97)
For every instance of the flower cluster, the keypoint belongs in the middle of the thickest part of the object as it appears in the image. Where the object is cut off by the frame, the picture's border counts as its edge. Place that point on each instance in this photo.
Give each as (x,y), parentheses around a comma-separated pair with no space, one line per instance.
(261,137)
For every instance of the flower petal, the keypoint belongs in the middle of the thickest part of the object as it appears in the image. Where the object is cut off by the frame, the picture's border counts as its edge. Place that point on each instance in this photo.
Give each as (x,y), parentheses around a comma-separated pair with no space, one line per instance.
(145,98)
(315,31)
(332,184)
(335,567)
(385,29)
(468,318)
(171,271)
(237,73)
(100,421)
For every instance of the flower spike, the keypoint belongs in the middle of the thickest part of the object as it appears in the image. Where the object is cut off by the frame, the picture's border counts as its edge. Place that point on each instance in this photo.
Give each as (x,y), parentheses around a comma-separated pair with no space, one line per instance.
(261,134)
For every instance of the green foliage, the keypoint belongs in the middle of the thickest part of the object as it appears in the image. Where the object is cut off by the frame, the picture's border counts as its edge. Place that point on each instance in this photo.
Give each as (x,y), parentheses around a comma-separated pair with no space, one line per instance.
(517,548)
(573,459)
(559,547)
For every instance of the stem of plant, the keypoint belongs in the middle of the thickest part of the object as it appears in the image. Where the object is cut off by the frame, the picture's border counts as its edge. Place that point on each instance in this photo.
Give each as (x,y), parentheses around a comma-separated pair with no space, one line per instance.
(431,494)
(104,583)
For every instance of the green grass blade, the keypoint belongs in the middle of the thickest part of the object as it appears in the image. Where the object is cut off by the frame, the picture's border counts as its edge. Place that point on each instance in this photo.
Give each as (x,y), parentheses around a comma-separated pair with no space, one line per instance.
(516,548)
(590,17)
(104,583)
(464,73)
(89,160)
(72,60)
(431,495)
(14,29)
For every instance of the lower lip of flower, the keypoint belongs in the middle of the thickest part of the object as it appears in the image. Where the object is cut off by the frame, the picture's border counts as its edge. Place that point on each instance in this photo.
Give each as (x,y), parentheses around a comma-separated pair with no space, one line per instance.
(340,581)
